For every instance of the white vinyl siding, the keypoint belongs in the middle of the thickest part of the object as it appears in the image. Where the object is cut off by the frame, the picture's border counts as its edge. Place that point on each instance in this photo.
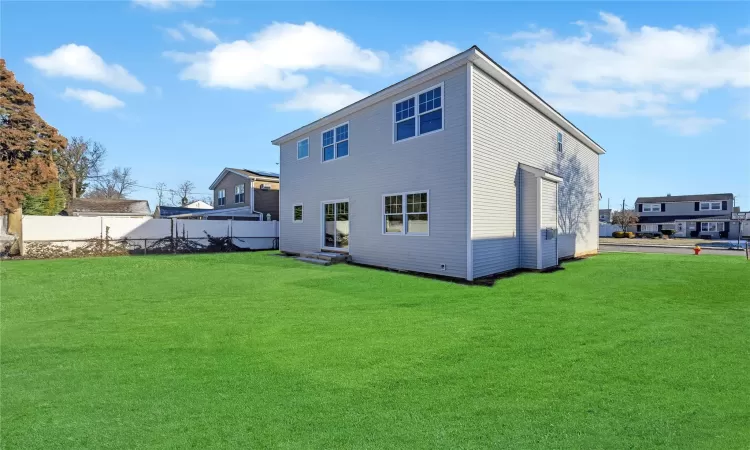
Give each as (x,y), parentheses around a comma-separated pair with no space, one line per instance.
(508,131)
(528,221)
(434,162)
(549,222)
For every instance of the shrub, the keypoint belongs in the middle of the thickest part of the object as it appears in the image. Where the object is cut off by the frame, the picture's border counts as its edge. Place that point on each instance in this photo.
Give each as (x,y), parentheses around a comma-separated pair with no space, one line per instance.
(630,235)
(618,234)
(667,233)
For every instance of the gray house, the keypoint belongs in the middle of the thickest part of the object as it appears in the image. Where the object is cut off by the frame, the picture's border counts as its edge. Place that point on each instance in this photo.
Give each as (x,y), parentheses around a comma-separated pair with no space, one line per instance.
(454,171)
(238,193)
(605,215)
(706,215)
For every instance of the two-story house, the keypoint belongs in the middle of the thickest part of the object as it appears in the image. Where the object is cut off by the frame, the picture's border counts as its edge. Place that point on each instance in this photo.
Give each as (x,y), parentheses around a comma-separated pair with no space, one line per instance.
(454,171)
(246,193)
(707,215)
(605,215)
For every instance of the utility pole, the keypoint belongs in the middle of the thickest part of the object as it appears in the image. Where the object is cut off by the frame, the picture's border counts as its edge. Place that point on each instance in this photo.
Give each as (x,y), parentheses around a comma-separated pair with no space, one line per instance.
(623,204)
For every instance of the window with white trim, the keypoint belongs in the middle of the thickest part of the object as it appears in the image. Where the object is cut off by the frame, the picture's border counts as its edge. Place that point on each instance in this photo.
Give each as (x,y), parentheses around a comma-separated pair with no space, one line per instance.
(406,213)
(221,197)
(406,123)
(559,142)
(709,227)
(298,213)
(335,142)
(419,114)
(649,228)
(239,193)
(652,207)
(711,206)
(303,148)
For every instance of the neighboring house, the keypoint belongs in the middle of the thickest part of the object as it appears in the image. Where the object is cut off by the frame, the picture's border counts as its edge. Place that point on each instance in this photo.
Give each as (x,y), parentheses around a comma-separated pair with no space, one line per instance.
(106,207)
(454,171)
(707,215)
(170,211)
(249,193)
(605,215)
(199,204)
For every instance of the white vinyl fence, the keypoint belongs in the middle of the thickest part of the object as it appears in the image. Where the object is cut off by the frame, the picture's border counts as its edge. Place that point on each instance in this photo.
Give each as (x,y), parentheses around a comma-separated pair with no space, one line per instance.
(49,236)
(606,229)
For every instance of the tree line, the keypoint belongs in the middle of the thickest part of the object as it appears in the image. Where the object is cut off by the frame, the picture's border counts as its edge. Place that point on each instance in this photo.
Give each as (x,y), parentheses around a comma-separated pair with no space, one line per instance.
(40,170)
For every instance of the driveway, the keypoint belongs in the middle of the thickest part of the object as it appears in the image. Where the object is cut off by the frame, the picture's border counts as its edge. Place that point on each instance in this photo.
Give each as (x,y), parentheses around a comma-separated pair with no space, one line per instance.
(605,248)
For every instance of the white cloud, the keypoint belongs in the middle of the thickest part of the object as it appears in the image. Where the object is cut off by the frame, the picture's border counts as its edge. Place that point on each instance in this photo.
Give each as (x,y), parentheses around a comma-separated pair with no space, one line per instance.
(428,53)
(530,35)
(174,33)
(323,98)
(201,33)
(93,99)
(80,62)
(169,4)
(611,70)
(274,58)
(744,31)
(688,125)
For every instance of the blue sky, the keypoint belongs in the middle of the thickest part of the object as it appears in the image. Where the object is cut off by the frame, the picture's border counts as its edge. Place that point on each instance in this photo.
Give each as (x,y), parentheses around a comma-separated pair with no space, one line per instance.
(180,90)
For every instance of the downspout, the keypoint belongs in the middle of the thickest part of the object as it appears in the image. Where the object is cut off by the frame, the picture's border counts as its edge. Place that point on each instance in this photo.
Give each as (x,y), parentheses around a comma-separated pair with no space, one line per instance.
(252,200)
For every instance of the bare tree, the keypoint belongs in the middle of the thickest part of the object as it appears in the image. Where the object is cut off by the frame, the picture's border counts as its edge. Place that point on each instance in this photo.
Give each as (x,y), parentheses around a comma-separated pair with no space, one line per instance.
(78,162)
(161,192)
(117,183)
(182,194)
(625,218)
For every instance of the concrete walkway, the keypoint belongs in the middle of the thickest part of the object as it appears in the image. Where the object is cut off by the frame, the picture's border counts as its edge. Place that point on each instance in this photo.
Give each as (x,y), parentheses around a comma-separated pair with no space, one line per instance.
(605,248)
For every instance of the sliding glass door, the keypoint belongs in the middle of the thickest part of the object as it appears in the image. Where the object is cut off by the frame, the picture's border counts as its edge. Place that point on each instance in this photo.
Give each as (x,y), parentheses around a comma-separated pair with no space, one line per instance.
(336,225)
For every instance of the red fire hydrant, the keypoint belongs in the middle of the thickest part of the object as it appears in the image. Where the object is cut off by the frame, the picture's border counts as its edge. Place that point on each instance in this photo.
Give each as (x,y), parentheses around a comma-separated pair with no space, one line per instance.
(697,249)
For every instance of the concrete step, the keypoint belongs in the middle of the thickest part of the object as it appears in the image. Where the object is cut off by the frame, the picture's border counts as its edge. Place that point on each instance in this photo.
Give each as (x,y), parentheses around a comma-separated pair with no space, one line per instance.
(331,257)
(319,262)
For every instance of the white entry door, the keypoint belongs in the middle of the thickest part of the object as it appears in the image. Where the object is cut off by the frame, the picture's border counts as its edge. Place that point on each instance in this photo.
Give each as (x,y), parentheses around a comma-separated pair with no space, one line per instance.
(335,218)
(680,229)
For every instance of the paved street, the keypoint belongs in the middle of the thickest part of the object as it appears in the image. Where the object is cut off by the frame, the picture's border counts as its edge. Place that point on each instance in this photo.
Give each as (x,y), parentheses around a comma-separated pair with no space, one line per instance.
(604,248)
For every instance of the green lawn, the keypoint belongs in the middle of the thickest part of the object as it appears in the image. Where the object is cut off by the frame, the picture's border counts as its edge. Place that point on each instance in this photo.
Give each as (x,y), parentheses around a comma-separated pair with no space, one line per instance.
(251,350)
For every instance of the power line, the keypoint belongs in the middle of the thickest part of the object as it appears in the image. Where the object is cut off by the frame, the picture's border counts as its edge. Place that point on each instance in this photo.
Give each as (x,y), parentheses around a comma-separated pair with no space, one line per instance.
(168,190)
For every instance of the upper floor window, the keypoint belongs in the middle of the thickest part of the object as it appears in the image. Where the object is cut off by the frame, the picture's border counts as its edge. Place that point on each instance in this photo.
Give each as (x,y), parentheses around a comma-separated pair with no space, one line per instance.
(335,142)
(239,193)
(710,206)
(427,117)
(303,148)
(406,124)
(559,142)
(651,207)
(221,197)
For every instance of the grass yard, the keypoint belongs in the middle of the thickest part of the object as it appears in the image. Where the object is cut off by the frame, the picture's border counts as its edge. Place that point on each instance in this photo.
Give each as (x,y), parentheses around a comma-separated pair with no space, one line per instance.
(250,350)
